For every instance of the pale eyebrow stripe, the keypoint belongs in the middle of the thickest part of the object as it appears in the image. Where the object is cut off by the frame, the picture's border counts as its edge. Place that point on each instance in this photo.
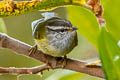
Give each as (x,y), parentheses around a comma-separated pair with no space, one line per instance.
(58,27)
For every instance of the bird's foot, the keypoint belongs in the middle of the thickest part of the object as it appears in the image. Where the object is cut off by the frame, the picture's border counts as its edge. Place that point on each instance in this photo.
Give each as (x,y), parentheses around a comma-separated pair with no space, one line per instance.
(51,62)
(59,62)
(62,61)
(33,50)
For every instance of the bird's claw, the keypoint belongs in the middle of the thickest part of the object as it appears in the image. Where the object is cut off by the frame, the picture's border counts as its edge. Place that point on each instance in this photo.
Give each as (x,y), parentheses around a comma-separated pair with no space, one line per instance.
(62,61)
(33,50)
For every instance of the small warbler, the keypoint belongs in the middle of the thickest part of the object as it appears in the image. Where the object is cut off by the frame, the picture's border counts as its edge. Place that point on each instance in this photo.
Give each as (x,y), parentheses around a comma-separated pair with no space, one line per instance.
(53,35)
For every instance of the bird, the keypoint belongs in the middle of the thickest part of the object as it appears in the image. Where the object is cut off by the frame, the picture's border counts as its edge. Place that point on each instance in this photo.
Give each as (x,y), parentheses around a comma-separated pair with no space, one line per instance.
(54,36)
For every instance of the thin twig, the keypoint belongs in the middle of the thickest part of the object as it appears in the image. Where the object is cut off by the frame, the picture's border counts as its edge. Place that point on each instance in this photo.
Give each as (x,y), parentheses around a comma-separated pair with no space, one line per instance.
(72,64)
(33,70)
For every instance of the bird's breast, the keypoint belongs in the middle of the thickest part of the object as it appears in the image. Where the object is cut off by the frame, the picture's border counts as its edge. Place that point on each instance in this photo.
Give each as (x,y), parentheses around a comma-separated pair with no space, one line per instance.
(57,44)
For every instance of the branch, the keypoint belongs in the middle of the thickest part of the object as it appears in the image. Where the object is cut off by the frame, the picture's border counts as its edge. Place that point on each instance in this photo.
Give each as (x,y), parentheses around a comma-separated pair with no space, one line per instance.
(14,8)
(22,48)
(33,70)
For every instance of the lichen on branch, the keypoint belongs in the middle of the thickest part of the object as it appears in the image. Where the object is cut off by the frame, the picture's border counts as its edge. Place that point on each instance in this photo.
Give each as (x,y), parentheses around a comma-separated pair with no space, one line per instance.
(14,8)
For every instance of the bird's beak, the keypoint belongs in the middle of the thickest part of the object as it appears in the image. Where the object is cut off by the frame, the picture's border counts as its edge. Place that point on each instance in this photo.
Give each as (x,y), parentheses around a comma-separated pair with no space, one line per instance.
(72,29)
(75,28)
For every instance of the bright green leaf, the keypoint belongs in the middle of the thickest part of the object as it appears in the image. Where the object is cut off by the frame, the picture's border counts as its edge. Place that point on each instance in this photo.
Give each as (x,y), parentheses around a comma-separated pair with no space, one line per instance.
(74,76)
(85,21)
(112,16)
(2,26)
(78,76)
(109,54)
(71,75)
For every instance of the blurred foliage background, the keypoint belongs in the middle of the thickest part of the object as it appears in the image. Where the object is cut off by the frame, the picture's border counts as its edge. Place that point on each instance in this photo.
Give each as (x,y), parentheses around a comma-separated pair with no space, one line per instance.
(19,27)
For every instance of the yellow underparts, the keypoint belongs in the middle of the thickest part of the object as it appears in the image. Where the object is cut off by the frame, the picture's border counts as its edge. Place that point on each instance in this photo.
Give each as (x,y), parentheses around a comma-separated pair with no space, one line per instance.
(41,40)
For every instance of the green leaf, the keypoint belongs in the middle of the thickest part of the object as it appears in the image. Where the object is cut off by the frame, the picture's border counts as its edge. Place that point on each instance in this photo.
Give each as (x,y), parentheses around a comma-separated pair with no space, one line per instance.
(109,54)
(112,16)
(71,75)
(2,26)
(85,21)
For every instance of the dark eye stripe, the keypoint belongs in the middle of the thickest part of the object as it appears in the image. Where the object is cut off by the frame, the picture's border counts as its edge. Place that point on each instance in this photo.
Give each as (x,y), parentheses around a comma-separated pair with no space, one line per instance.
(58,30)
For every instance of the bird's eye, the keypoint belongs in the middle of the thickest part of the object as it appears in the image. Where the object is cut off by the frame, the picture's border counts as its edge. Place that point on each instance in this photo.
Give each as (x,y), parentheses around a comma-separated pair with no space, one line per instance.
(62,30)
